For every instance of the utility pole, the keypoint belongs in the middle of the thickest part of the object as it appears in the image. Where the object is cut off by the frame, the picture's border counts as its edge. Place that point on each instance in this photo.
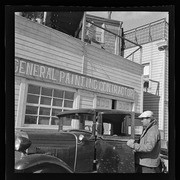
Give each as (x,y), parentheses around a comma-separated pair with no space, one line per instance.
(44,17)
(83,26)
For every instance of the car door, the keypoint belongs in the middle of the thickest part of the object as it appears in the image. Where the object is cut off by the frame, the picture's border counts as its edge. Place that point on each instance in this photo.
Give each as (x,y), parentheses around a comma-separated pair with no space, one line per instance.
(112,153)
(85,148)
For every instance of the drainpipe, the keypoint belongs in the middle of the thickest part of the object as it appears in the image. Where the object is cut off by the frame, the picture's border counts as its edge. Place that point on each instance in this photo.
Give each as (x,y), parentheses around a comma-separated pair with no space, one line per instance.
(141,55)
(82,39)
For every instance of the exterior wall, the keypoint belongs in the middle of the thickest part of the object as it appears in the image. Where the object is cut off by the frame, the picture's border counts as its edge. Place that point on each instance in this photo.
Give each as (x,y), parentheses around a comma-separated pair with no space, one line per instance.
(17,89)
(44,47)
(110,39)
(152,102)
(110,42)
(86,99)
(166,99)
(156,99)
(115,70)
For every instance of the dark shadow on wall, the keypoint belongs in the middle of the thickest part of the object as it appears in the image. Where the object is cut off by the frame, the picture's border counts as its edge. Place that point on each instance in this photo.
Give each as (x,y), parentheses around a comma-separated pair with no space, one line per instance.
(151,103)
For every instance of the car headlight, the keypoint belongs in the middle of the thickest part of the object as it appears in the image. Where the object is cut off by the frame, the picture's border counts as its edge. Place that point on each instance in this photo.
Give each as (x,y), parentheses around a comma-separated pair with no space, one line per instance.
(22,142)
(17,144)
(81,137)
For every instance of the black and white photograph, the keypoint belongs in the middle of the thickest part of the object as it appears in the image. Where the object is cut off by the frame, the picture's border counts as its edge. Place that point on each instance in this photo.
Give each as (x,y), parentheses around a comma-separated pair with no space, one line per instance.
(91,90)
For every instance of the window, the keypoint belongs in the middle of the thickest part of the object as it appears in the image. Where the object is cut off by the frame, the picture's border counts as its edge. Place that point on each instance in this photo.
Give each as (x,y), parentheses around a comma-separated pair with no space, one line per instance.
(146,73)
(77,121)
(99,35)
(116,124)
(146,70)
(43,104)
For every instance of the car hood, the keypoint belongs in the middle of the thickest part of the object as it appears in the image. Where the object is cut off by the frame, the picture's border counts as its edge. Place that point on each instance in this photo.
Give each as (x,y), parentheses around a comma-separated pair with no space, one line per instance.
(62,145)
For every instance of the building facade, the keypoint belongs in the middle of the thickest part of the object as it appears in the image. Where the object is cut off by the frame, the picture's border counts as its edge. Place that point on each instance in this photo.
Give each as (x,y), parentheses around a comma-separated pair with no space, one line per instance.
(104,39)
(154,39)
(56,72)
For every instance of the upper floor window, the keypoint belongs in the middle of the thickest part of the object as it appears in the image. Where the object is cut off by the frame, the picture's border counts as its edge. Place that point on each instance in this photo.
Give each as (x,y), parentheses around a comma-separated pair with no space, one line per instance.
(43,104)
(146,75)
(99,35)
(146,70)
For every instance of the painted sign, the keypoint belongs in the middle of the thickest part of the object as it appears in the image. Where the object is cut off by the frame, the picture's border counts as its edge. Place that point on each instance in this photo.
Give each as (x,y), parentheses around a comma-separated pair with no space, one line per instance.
(124,106)
(46,73)
(103,103)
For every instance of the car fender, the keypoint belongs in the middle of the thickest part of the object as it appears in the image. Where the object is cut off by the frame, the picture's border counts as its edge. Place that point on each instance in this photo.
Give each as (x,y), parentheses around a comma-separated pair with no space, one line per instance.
(33,160)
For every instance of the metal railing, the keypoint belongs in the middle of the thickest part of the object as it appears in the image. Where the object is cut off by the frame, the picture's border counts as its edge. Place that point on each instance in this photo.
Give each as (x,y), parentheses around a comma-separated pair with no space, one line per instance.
(147,33)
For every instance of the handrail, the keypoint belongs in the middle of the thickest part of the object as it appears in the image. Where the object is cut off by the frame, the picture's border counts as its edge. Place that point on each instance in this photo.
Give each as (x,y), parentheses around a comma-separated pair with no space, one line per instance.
(146,25)
(147,32)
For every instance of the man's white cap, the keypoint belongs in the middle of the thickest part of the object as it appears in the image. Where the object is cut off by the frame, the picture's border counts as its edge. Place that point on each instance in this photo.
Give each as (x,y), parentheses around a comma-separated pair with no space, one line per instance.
(146,114)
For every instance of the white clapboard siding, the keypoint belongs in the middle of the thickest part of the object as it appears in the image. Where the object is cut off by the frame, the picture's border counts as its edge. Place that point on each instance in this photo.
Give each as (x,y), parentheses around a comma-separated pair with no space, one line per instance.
(152,55)
(86,101)
(156,58)
(113,74)
(166,98)
(135,57)
(17,88)
(166,77)
(42,44)
(109,59)
(36,44)
(58,42)
(115,69)
(46,34)
(151,102)
(166,122)
(59,50)
(47,56)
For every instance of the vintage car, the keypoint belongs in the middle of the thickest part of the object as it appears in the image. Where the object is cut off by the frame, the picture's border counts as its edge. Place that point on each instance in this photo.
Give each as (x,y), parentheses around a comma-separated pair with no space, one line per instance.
(87,141)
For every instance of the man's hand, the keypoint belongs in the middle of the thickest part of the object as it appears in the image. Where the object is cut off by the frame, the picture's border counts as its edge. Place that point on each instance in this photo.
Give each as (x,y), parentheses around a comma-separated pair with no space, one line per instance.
(130,143)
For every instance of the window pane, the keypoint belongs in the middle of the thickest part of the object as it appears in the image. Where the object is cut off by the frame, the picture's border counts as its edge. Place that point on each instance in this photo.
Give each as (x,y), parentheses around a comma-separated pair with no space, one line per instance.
(44,111)
(69,95)
(67,122)
(31,110)
(32,99)
(46,91)
(146,69)
(44,120)
(56,111)
(30,119)
(58,93)
(68,103)
(33,89)
(54,121)
(57,102)
(45,100)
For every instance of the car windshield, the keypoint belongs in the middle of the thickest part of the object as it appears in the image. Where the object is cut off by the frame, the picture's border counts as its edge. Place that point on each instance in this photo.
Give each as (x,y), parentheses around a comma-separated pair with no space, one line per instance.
(116,124)
(76,121)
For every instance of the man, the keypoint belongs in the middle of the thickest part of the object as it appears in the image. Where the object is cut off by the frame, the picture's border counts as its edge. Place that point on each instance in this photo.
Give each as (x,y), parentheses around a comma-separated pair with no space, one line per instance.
(147,150)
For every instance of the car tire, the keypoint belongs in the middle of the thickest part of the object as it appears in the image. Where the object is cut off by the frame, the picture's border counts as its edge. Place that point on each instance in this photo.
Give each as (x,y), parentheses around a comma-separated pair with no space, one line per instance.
(50,169)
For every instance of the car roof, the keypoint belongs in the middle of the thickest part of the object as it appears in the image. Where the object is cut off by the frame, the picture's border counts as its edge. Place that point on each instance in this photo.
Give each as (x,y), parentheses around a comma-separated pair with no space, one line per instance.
(92,111)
